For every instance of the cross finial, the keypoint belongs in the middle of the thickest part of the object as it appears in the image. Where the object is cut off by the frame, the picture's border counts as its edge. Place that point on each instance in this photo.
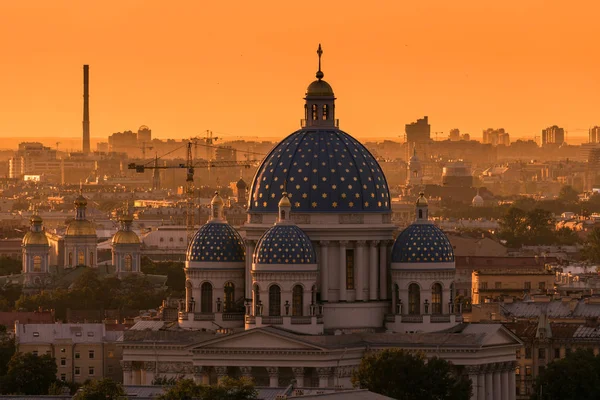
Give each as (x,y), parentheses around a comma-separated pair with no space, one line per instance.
(319,72)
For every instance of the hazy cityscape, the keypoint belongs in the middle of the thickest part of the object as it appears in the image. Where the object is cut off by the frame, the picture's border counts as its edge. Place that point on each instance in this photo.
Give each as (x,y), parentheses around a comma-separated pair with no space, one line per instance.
(424,260)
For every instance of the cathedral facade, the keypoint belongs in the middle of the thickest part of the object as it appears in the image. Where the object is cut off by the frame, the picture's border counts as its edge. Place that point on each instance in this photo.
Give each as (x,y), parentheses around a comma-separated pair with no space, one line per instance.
(315,279)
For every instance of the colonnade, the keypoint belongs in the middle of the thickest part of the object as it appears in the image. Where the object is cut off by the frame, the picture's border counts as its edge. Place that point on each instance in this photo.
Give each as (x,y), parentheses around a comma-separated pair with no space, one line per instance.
(494,381)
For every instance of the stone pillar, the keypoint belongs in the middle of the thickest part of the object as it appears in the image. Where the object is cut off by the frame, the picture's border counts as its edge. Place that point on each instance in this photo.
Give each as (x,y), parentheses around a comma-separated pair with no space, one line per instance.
(512,389)
(246,372)
(383,289)
(248,276)
(473,371)
(324,374)
(373,270)
(359,263)
(324,264)
(221,372)
(481,385)
(127,367)
(489,385)
(299,376)
(342,271)
(273,376)
(149,370)
(198,374)
(497,384)
(504,379)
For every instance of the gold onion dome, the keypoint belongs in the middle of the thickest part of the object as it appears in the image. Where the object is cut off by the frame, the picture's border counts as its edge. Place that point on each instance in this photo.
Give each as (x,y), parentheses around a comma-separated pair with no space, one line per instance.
(285,200)
(33,238)
(217,200)
(80,228)
(125,237)
(36,219)
(422,201)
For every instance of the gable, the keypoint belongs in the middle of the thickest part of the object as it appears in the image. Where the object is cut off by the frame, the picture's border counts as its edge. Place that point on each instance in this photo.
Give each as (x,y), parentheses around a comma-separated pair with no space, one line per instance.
(256,339)
(500,337)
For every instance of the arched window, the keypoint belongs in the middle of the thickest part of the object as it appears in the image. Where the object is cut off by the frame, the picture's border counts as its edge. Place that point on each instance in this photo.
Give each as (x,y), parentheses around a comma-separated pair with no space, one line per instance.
(315,112)
(420,214)
(215,212)
(414,299)
(325,112)
(206,298)
(91,258)
(229,297)
(436,298)
(297,300)
(128,260)
(37,264)
(81,258)
(282,216)
(274,301)
(70,259)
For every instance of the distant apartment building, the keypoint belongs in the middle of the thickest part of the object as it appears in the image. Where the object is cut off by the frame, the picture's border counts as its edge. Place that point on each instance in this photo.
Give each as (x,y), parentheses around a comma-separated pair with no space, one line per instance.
(418,132)
(496,137)
(225,153)
(594,134)
(457,174)
(516,282)
(454,135)
(553,135)
(26,159)
(82,351)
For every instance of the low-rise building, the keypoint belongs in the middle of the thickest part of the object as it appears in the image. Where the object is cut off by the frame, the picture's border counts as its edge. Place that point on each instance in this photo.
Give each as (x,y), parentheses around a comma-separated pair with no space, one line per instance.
(516,282)
(82,351)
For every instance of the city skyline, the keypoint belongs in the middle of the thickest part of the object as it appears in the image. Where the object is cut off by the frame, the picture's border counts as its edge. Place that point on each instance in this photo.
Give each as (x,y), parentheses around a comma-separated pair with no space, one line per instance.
(244,72)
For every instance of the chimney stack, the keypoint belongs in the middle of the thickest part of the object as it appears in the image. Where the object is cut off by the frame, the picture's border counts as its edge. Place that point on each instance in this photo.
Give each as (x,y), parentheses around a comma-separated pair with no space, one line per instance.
(86,109)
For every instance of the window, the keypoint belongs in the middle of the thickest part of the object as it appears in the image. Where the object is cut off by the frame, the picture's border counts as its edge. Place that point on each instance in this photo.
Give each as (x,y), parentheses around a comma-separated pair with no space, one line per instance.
(527,286)
(77,371)
(81,258)
(557,353)
(63,350)
(350,269)
(436,298)
(325,112)
(77,355)
(528,352)
(420,214)
(110,369)
(162,239)
(497,285)
(541,369)
(70,259)
(63,362)
(542,354)
(297,300)
(414,299)
(77,334)
(518,353)
(111,354)
(35,352)
(527,370)
(90,334)
(274,300)
(568,351)
(229,297)
(128,260)
(91,354)
(63,377)
(170,239)
(315,112)
(37,264)
(91,371)
(483,285)
(517,370)
(36,334)
(542,286)
(91,258)
(206,298)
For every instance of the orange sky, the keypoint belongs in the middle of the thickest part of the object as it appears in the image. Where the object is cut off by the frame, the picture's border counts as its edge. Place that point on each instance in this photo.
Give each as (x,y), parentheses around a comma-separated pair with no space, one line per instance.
(241,68)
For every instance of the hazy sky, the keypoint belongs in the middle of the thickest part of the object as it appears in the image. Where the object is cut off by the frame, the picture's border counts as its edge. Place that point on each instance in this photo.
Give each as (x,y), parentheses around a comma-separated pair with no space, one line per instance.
(241,68)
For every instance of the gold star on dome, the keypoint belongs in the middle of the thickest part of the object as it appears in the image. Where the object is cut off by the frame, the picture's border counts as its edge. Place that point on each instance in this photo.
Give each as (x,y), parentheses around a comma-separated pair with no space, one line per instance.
(324,195)
(314,204)
(334,204)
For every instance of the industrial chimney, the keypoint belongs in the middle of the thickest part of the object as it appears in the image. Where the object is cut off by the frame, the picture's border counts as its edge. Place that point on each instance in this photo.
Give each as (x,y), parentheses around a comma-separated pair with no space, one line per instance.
(86,109)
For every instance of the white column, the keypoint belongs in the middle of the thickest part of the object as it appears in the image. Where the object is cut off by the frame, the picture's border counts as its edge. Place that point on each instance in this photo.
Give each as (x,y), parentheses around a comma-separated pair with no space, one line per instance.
(299,376)
(373,270)
(489,386)
(473,377)
(342,271)
(505,386)
(497,386)
(324,270)
(221,373)
(273,376)
(149,368)
(324,374)
(481,388)
(127,370)
(359,263)
(512,389)
(248,275)
(383,289)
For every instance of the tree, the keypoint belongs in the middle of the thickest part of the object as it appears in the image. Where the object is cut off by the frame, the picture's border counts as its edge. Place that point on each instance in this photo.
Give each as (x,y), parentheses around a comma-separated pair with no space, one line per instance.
(227,389)
(591,248)
(513,226)
(407,376)
(105,389)
(575,377)
(29,374)
(7,349)
(568,195)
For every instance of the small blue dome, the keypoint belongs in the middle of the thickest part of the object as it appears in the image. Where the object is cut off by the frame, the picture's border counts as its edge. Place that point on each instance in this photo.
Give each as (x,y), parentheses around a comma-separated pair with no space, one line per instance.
(284,244)
(323,170)
(422,243)
(216,242)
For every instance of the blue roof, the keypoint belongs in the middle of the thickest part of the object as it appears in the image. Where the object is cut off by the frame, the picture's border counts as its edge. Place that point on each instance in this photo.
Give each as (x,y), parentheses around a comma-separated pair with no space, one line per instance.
(216,242)
(323,170)
(284,244)
(422,243)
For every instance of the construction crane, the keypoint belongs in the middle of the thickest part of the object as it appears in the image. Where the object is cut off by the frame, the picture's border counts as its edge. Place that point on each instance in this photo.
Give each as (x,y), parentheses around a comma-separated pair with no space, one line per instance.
(436,135)
(190,167)
(143,147)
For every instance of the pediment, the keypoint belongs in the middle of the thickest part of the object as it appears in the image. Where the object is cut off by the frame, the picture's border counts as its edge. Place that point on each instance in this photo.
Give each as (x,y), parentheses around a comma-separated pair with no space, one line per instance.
(258,339)
(501,337)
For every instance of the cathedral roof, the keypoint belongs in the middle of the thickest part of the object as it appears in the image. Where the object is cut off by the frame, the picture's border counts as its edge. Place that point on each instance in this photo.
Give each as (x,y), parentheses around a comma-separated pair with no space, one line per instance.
(284,244)
(125,237)
(216,242)
(323,170)
(422,243)
(79,227)
(35,238)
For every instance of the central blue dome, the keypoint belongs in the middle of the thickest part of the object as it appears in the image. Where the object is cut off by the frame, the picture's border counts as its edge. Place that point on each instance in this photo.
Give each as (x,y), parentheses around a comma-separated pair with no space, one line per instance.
(216,242)
(422,243)
(323,170)
(284,244)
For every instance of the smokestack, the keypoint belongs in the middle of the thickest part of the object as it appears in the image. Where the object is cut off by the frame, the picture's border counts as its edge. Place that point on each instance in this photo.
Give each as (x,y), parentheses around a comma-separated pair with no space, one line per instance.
(86,109)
